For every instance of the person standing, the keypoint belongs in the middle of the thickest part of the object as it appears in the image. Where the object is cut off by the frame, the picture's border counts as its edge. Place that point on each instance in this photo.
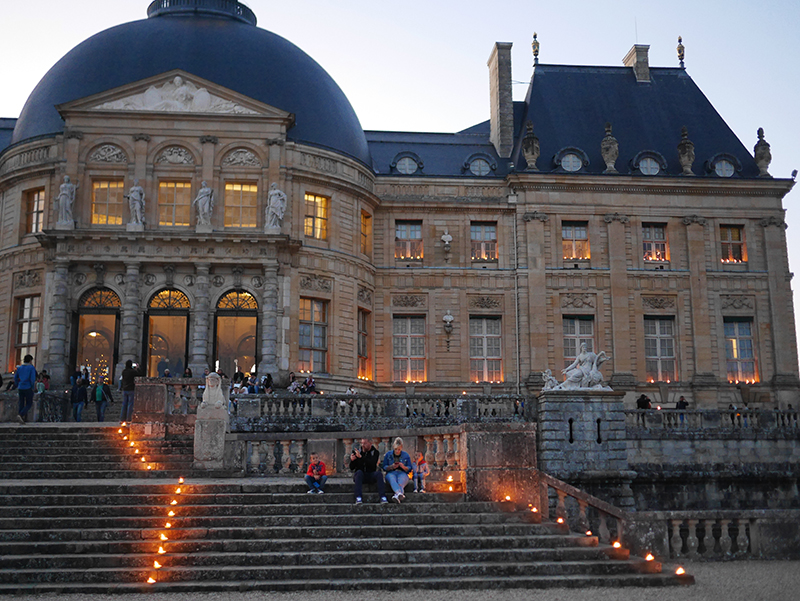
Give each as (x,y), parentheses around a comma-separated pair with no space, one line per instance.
(100,393)
(129,374)
(25,381)
(78,398)
(364,465)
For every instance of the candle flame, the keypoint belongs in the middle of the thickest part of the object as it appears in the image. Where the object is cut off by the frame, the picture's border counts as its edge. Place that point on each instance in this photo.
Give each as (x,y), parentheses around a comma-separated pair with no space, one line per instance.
(149,467)
(508,498)
(161,551)
(168,525)
(156,565)
(120,431)
(649,557)
(136,452)
(133,444)
(680,571)
(173,502)
(449,478)
(588,533)
(144,459)
(171,513)
(560,520)
(177,491)
(534,510)
(164,536)
(150,581)
(124,424)
(180,480)
(124,438)
(451,489)
(617,545)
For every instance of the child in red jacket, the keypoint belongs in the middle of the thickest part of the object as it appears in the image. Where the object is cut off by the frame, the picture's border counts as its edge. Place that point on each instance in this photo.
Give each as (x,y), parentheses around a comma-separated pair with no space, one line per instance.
(315,476)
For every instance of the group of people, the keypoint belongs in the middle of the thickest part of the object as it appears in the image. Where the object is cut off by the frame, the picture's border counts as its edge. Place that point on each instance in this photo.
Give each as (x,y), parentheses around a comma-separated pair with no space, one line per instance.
(307,386)
(369,468)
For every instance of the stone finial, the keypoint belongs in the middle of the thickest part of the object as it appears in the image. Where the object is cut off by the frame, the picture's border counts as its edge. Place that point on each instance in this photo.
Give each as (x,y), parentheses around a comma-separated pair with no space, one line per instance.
(609,149)
(762,154)
(535,48)
(686,152)
(681,50)
(530,148)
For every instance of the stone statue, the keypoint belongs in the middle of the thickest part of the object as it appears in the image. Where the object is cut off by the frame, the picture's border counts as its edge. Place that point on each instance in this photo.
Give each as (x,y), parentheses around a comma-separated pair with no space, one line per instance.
(65,200)
(595,377)
(205,204)
(212,395)
(549,381)
(686,152)
(447,240)
(609,149)
(530,148)
(276,207)
(583,373)
(136,203)
(762,154)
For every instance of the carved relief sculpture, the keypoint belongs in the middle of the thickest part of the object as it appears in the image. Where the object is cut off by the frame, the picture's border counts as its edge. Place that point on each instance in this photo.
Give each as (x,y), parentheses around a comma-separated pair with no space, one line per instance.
(658,302)
(577,301)
(205,204)
(762,154)
(530,148)
(365,296)
(27,279)
(409,301)
(108,153)
(312,282)
(686,152)
(175,155)
(136,203)
(241,158)
(609,149)
(737,302)
(484,302)
(276,208)
(64,202)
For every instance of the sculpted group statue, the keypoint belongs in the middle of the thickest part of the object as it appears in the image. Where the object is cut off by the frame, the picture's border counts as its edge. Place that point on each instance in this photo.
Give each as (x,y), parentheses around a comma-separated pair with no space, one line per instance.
(65,200)
(582,374)
(205,204)
(136,203)
(212,395)
(276,207)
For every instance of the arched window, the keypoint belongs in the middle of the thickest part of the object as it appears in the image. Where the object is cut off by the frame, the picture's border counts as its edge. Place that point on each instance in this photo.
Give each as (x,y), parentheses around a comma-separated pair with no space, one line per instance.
(98,333)
(169,299)
(166,336)
(235,347)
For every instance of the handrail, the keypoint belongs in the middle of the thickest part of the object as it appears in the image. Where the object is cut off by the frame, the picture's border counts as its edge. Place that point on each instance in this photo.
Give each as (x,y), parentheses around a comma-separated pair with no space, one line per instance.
(579,495)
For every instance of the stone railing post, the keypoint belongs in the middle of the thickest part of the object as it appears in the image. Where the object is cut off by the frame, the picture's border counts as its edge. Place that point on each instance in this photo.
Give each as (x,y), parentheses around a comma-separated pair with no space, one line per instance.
(286,458)
(725,541)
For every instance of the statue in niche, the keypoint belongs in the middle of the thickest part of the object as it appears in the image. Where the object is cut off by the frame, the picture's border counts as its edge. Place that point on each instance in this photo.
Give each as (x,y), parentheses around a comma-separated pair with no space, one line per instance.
(583,373)
(609,149)
(65,200)
(276,207)
(136,203)
(205,204)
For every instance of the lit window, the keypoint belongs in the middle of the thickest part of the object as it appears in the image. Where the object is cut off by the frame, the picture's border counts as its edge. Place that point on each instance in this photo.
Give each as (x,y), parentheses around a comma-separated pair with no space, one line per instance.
(480,167)
(577,331)
(34,221)
(739,354)
(724,168)
(649,166)
(483,239)
(107,202)
(575,239)
(733,248)
(174,203)
(364,363)
(316,220)
(408,240)
(407,166)
(659,348)
(654,238)
(408,349)
(571,162)
(241,205)
(485,349)
(27,335)
(313,336)
(366,233)
(167,333)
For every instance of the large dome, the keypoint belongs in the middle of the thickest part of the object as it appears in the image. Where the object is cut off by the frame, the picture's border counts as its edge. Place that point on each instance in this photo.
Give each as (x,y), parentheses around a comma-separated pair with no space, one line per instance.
(220,44)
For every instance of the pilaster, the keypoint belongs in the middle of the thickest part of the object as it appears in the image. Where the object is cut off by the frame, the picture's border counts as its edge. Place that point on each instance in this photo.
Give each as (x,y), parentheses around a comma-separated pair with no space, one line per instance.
(198,348)
(131,317)
(58,346)
(269,322)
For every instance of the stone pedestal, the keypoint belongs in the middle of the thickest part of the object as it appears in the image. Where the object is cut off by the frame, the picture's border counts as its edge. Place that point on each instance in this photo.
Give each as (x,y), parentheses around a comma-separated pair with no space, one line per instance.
(396,408)
(149,411)
(135,227)
(467,409)
(203,228)
(322,405)
(209,437)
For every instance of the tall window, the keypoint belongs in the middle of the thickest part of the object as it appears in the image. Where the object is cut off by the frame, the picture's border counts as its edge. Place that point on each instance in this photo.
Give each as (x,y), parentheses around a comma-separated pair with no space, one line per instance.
(654,239)
(316,220)
(167,333)
(313,337)
(237,320)
(27,326)
(34,204)
(408,349)
(483,239)
(241,204)
(98,326)
(174,203)
(366,233)
(739,353)
(733,248)
(485,344)
(577,331)
(659,348)
(575,239)
(107,196)
(408,240)
(364,364)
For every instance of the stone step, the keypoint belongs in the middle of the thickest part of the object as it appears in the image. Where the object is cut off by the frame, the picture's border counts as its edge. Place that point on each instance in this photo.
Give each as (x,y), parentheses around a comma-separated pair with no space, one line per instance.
(97,462)
(158,471)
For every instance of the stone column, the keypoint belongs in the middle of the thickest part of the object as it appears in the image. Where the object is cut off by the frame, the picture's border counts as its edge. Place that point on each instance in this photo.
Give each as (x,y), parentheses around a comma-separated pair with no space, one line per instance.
(620,309)
(198,353)
(701,328)
(537,285)
(58,343)
(269,322)
(131,318)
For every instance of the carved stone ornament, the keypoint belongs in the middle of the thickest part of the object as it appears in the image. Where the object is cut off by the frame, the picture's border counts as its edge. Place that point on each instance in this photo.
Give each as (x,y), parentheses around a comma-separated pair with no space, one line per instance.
(108,153)
(485,302)
(100,273)
(119,279)
(141,137)
(658,302)
(150,279)
(189,280)
(237,272)
(610,217)
(257,281)
(447,240)
(241,157)
(176,96)
(409,301)
(609,150)
(530,148)
(582,374)
(690,219)
(312,282)
(218,281)
(737,302)
(79,279)
(762,154)
(209,140)
(776,221)
(73,134)
(577,301)
(448,320)
(27,279)
(365,296)
(169,271)
(686,152)
(175,155)
(538,215)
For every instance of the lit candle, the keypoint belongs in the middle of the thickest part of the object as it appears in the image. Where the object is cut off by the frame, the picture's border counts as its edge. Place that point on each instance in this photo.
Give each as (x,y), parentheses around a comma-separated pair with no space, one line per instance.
(164,537)
(171,513)
(161,551)
(173,502)
(617,545)
(180,480)
(649,557)
(156,565)
(560,520)
(680,571)
(150,580)
(168,525)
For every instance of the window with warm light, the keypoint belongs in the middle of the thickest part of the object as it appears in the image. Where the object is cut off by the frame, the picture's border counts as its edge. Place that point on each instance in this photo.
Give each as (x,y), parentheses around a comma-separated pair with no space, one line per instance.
(241,205)
(316,219)
(733,248)
(485,349)
(313,336)
(107,197)
(408,240)
(27,329)
(174,203)
(577,331)
(575,239)
(408,349)
(483,240)
(364,363)
(34,218)
(366,233)
(654,240)
(659,349)
(739,350)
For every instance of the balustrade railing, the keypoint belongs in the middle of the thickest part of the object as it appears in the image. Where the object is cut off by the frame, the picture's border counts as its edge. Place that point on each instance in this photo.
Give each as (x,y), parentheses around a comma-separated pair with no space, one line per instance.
(713,537)
(712,419)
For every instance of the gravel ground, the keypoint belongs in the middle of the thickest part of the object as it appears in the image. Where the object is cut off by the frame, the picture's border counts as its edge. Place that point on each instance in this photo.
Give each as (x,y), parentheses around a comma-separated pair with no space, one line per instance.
(731,581)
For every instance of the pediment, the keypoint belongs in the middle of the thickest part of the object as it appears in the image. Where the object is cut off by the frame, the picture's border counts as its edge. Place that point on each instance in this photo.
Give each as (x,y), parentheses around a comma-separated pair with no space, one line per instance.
(174,92)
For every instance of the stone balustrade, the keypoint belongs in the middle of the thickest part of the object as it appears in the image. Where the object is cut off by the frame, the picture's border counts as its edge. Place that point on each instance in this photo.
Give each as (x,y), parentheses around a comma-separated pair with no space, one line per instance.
(712,419)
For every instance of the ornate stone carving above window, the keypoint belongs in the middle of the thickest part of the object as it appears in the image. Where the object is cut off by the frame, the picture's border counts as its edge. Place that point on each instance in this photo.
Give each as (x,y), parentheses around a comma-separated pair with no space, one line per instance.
(776,221)
(108,153)
(312,282)
(27,279)
(409,301)
(365,296)
(175,155)
(257,281)
(658,302)
(150,279)
(611,217)
(578,301)
(737,302)
(241,157)
(690,219)
(485,302)
(538,215)
(79,279)
(218,281)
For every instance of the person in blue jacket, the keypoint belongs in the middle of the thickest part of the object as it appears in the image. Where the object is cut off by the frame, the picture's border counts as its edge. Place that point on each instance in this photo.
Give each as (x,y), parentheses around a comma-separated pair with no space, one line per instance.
(397,465)
(25,380)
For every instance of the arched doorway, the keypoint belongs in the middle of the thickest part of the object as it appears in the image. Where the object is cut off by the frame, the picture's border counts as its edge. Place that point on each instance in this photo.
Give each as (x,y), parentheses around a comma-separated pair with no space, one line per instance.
(166,333)
(98,333)
(235,340)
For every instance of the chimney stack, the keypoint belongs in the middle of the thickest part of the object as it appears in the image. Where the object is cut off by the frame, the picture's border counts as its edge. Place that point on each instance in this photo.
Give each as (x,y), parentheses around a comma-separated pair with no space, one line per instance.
(501,102)
(637,58)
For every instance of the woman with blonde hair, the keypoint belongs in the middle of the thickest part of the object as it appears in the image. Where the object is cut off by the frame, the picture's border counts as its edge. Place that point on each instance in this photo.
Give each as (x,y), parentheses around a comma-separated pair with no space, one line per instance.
(397,465)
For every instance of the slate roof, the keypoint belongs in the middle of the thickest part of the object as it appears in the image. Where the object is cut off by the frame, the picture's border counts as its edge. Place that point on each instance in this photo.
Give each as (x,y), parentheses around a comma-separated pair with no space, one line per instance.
(6,131)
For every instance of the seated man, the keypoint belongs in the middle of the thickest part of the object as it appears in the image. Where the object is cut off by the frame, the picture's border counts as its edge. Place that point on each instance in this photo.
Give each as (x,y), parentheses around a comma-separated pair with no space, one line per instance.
(364,465)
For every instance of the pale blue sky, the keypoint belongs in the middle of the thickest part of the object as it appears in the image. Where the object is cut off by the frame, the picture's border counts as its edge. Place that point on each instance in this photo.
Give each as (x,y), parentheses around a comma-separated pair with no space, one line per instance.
(421,65)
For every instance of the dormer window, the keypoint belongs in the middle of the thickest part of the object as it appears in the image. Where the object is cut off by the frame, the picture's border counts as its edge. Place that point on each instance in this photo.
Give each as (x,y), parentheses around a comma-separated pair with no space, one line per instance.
(570,159)
(723,165)
(407,166)
(406,163)
(649,166)
(649,162)
(724,168)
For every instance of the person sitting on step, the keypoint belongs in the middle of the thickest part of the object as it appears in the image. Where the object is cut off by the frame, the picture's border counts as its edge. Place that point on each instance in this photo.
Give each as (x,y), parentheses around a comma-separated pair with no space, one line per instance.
(364,465)
(397,465)
(316,476)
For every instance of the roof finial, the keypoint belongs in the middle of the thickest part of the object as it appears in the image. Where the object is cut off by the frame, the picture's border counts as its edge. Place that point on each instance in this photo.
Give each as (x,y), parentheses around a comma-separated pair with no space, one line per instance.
(762,154)
(535,47)
(681,49)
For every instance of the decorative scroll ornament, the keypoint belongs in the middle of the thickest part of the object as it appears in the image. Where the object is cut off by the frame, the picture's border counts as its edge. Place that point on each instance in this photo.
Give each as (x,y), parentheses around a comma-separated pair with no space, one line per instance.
(408,301)
(577,301)
(737,302)
(241,158)
(690,219)
(27,279)
(365,296)
(611,217)
(484,302)
(175,155)
(776,221)
(537,215)
(312,282)
(108,153)
(658,302)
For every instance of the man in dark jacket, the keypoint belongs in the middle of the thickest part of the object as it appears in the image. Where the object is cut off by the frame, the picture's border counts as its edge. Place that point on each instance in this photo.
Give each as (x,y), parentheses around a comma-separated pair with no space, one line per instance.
(100,393)
(364,464)
(128,385)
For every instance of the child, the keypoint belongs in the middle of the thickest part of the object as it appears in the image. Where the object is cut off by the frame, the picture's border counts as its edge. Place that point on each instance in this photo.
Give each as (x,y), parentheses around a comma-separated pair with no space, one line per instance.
(421,470)
(315,477)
